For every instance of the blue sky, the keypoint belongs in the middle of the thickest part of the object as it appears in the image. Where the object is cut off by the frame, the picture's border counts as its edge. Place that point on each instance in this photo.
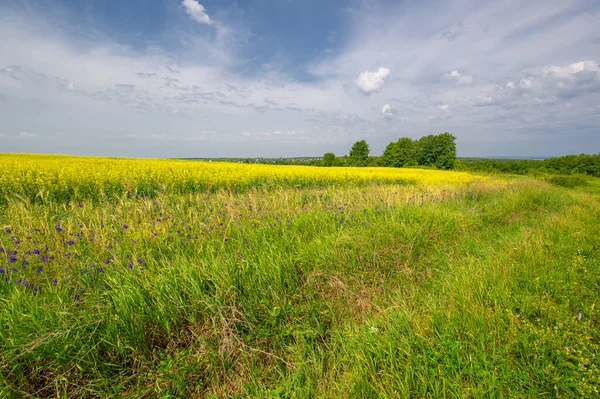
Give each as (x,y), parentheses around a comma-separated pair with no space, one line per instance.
(188,78)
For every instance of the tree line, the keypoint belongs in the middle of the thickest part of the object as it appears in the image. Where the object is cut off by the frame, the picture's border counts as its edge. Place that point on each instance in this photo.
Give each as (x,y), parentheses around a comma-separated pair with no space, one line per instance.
(584,164)
(433,150)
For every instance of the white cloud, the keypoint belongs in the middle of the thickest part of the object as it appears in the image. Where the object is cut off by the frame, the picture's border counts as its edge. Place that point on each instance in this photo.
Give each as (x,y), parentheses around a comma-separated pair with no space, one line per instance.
(371,82)
(510,84)
(572,69)
(443,107)
(196,11)
(525,84)
(27,135)
(388,111)
(458,78)
(485,99)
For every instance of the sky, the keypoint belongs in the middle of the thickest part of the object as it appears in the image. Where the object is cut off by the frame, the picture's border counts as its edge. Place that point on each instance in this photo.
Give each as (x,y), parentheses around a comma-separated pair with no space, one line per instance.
(270,78)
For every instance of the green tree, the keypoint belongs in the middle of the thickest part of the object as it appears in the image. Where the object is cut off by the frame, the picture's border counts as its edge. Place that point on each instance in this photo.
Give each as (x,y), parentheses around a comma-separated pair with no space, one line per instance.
(398,153)
(328,159)
(445,151)
(424,151)
(359,154)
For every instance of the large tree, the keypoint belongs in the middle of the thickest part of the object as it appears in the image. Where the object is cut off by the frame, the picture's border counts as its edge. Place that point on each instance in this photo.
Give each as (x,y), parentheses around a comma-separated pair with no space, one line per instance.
(436,150)
(425,150)
(445,151)
(359,154)
(329,159)
(398,153)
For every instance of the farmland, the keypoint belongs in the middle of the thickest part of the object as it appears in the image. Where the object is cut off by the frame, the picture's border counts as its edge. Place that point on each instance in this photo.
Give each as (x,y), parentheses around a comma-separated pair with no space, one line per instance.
(172,278)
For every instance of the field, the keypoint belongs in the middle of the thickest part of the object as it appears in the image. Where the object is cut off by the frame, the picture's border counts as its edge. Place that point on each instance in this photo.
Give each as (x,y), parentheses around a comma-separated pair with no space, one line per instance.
(166,278)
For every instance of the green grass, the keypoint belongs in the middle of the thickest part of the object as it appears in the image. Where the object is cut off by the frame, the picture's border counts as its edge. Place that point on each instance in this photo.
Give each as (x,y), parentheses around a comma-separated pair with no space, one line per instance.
(485,291)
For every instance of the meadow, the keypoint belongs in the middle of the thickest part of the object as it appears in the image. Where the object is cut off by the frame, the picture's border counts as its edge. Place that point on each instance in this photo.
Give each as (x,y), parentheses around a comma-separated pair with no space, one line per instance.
(183,279)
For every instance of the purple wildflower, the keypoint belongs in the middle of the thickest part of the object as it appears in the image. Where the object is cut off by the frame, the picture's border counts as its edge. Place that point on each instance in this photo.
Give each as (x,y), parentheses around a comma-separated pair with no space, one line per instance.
(70,242)
(125,226)
(8,231)
(38,270)
(12,259)
(36,251)
(44,258)
(54,281)
(58,228)
(106,262)
(101,270)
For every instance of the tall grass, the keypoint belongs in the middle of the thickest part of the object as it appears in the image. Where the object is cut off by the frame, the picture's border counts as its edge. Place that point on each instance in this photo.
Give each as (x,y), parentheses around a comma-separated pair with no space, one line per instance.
(479,290)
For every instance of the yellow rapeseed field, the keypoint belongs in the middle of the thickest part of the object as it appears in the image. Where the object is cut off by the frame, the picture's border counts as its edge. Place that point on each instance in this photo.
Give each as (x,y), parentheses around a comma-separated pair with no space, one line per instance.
(68,177)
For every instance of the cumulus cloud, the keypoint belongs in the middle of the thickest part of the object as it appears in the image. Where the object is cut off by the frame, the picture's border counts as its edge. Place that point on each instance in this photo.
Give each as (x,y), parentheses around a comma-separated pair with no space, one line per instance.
(572,69)
(525,84)
(458,78)
(371,82)
(485,99)
(388,111)
(572,80)
(443,107)
(196,12)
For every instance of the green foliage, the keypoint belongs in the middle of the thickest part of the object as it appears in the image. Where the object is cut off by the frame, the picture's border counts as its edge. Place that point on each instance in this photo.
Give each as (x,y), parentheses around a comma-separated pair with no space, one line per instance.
(445,151)
(328,159)
(425,150)
(432,150)
(399,153)
(585,164)
(359,153)
(567,181)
